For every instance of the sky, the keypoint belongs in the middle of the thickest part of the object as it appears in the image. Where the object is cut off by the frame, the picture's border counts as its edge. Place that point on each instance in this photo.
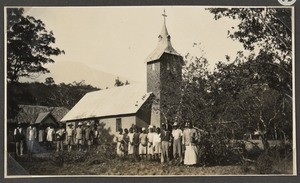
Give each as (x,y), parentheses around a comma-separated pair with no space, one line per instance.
(117,40)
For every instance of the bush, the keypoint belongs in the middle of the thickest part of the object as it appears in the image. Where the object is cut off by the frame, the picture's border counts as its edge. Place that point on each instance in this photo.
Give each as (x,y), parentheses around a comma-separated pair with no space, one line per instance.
(264,164)
(103,153)
(254,152)
(277,160)
(214,150)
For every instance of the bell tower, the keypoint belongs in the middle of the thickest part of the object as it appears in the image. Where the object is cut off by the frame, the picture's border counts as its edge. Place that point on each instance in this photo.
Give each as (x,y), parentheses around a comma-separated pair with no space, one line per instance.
(164,78)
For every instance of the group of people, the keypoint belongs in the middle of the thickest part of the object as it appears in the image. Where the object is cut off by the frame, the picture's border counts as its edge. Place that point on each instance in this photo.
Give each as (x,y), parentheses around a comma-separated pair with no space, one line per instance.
(83,136)
(45,137)
(30,135)
(160,144)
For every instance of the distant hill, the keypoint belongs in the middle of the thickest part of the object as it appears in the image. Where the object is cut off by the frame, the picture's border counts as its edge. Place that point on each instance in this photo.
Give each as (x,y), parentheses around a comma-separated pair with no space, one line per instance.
(68,72)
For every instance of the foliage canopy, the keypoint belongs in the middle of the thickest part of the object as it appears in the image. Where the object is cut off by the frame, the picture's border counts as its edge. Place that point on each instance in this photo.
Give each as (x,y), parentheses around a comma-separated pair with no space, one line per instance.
(29,45)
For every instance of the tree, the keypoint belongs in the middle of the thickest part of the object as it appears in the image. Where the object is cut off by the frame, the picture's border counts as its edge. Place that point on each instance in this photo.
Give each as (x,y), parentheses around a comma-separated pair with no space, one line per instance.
(55,95)
(49,81)
(29,45)
(118,82)
(267,33)
(240,96)
(194,101)
(127,82)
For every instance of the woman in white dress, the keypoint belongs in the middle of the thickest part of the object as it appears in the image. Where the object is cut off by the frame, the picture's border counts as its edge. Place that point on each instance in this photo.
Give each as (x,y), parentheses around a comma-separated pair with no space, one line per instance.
(189,138)
(157,144)
(119,138)
(130,144)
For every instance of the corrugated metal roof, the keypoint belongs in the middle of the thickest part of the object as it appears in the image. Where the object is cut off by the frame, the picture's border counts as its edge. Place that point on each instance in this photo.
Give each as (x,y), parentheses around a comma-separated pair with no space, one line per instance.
(115,101)
(164,46)
(41,117)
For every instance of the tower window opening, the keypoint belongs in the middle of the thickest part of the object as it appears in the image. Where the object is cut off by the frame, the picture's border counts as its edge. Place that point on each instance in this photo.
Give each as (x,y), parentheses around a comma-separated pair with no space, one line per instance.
(153,67)
(168,66)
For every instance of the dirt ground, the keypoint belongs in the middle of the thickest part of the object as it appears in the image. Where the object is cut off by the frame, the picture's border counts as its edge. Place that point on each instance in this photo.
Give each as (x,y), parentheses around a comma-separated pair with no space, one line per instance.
(74,164)
(120,167)
(77,163)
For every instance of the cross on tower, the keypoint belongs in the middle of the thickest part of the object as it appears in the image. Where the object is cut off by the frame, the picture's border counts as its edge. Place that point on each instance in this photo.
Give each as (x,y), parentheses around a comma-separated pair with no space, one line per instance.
(164,15)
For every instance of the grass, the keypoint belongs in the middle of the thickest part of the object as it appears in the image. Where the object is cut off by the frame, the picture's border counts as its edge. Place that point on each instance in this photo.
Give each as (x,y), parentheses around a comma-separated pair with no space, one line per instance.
(104,163)
(125,167)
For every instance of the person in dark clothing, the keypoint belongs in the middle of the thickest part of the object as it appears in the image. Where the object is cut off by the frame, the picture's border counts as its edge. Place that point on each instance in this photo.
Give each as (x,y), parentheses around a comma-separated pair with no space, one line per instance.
(96,135)
(60,138)
(19,134)
(136,143)
(88,136)
(165,143)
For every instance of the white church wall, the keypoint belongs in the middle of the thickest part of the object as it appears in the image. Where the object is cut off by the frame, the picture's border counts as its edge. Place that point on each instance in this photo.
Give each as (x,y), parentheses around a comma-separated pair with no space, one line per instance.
(126,122)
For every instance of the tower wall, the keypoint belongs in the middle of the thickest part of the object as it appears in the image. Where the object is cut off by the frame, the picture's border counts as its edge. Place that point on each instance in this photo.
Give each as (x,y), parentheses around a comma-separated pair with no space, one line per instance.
(154,86)
(165,83)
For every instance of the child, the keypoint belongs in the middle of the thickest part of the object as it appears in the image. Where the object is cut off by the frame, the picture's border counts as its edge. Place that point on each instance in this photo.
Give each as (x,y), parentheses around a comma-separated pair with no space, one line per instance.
(143,144)
(157,144)
(130,143)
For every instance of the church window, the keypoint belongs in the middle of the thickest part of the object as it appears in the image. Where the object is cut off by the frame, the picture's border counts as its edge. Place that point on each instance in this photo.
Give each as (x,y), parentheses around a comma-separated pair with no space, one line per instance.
(153,67)
(118,124)
(174,69)
(168,66)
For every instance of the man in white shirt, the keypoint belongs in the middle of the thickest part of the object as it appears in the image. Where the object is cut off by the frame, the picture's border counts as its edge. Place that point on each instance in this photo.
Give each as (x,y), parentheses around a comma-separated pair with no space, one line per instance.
(79,136)
(177,136)
(70,135)
(49,137)
(150,136)
(31,136)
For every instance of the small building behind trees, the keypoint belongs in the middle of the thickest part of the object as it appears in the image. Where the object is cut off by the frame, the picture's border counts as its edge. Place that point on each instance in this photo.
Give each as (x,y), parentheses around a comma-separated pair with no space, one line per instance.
(46,119)
(32,114)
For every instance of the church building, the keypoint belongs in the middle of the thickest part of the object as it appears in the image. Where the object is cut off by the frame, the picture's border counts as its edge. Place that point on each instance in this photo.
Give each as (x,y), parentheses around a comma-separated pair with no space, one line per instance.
(155,103)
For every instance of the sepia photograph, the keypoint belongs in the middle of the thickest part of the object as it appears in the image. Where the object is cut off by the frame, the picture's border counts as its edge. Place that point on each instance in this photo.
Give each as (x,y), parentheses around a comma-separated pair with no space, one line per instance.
(149,91)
